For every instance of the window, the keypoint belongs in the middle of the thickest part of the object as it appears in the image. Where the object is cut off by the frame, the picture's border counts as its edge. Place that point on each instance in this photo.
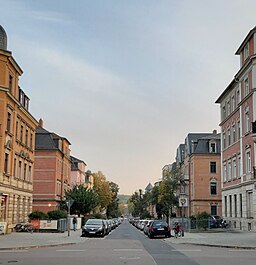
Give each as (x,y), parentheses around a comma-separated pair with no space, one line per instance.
(16,132)
(224,139)
(213,209)
(229,170)
(213,167)
(21,133)
(247,120)
(14,168)
(238,96)
(246,51)
(225,207)
(26,138)
(248,161)
(25,171)
(230,205)
(229,138)
(212,147)
(224,172)
(235,204)
(30,174)
(239,166)
(239,129)
(213,187)
(31,140)
(9,117)
(6,161)
(224,112)
(10,83)
(249,204)
(233,102)
(241,205)
(234,133)
(19,170)
(246,87)
(234,169)
(228,107)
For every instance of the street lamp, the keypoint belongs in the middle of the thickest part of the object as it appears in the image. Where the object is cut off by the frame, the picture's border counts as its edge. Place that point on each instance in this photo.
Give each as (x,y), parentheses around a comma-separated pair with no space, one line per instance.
(69,204)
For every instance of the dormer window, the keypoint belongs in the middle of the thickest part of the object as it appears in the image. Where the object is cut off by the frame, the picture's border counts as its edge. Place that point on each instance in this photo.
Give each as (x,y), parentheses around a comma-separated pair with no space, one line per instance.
(212,147)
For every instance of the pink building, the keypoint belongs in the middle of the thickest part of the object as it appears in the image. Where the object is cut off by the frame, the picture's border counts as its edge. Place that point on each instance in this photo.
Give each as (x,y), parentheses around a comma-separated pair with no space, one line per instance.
(77,171)
(238,115)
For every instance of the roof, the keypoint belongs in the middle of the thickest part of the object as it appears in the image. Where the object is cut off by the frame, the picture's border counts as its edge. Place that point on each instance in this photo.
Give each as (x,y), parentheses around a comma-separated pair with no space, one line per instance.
(198,143)
(249,35)
(3,39)
(45,139)
(229,87)
(74,162)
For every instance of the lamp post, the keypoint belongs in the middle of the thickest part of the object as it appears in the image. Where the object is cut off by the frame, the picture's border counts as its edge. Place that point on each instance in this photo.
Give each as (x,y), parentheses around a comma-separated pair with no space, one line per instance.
(69,204)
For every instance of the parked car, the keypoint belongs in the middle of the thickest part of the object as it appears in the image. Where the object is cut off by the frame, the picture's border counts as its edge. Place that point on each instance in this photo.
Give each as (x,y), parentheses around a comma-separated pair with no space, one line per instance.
(94,227)
(146,227)
(215,221)
(159,228)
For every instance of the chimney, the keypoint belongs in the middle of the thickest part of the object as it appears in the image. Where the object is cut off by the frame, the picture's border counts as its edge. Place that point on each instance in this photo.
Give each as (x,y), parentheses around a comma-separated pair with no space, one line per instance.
(41,123)
(214,132)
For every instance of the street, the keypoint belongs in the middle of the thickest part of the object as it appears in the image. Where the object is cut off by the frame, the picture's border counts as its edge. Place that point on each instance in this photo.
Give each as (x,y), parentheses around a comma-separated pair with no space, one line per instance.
(127,245)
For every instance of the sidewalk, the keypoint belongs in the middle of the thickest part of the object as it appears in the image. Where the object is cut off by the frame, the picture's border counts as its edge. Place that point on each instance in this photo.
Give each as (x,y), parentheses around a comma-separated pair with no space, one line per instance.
(27,240)
(234,239)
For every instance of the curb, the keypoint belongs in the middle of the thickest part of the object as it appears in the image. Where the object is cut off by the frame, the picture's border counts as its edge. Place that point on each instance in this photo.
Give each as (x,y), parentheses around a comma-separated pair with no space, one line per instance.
(38,246)
(211,245)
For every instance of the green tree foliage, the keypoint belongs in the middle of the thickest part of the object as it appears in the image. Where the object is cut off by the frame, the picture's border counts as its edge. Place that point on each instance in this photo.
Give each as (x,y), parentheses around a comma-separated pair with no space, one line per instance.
(38,215)
(102,188)
(167,190)
(85,200)
(57,214)
(138,204)
(113,210)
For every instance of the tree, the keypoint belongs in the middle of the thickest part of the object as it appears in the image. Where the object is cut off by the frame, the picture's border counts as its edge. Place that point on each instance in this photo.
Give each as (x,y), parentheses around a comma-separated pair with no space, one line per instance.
(85,200)
(102,188)
(167,191)
(138,204)
(113,207)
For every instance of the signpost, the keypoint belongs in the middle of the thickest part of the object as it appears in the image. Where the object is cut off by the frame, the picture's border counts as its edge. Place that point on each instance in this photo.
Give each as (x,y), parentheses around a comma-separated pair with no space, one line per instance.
(183,203)
(69,204)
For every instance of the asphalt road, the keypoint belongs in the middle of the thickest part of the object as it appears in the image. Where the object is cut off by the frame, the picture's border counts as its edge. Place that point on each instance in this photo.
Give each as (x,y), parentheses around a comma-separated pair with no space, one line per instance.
(127,245)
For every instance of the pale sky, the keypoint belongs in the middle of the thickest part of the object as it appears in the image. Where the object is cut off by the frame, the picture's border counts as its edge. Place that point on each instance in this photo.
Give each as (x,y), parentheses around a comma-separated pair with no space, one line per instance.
(126,81)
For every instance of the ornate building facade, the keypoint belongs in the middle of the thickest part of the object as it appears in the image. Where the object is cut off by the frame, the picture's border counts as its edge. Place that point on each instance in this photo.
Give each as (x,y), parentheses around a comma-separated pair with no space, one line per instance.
(17,141)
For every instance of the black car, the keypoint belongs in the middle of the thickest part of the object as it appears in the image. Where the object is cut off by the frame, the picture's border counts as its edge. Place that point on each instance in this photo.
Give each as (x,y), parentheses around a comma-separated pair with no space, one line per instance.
(159,228)
(94,227)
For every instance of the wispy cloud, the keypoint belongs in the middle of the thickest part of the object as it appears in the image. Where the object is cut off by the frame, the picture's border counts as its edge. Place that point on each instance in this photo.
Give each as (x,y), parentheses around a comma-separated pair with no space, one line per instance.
(49,16)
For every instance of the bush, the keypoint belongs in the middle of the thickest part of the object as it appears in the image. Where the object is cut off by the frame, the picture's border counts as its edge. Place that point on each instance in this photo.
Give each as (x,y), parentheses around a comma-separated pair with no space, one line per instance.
(57,214)
(38,215)
(202,216)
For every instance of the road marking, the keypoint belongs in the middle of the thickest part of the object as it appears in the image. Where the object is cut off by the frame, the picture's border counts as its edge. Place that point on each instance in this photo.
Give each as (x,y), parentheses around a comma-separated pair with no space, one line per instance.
(240,250)
(70,250)
(133,258)
(127,249)
(13,251)
(187,250)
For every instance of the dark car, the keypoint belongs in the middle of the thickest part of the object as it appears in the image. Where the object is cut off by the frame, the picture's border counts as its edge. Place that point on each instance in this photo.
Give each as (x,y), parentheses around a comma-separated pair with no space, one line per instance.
(159,228)
(215,221)
(94,227)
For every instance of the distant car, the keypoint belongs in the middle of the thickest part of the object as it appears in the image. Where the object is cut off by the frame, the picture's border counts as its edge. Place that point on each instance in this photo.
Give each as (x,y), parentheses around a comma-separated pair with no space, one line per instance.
(159,228)
(215,221)
(94,227)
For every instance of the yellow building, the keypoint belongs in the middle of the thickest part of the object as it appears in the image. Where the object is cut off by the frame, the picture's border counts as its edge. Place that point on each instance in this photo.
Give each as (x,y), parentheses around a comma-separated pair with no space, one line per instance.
(17,141)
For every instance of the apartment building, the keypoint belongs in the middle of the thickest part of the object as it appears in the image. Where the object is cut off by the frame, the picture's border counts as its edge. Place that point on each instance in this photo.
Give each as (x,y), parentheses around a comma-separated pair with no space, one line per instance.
(52,170)
(198,160)
(17,141)
(79,176)
(238,115)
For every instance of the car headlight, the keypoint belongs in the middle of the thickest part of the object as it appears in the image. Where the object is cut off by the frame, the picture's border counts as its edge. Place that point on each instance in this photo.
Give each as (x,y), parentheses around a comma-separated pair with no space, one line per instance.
(100,228)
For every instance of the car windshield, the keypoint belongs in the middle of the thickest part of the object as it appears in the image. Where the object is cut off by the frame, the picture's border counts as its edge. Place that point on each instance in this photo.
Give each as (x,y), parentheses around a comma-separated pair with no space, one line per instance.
(159,223)
(94,222)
